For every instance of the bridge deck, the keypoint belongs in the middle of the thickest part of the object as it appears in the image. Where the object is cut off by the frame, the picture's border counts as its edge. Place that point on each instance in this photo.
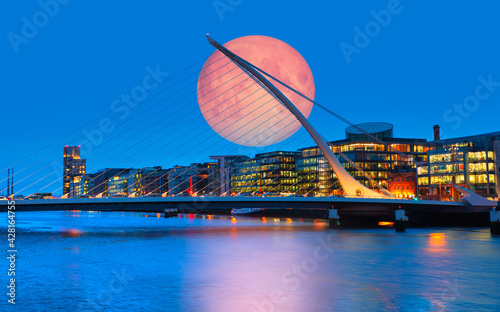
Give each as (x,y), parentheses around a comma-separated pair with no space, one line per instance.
(224,203)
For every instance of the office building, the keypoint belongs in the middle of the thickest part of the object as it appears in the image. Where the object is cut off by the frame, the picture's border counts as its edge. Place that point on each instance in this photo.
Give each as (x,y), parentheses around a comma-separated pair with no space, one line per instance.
(73,166)
(226,170)
(83,185)
(266,172)
(151,181)
(154,181)
(376,159)
(197,178)
(471,162)
(127,184)
(97,184)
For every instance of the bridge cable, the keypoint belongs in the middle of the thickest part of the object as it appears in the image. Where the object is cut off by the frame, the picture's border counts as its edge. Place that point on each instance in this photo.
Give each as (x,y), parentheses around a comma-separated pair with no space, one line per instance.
(101,116)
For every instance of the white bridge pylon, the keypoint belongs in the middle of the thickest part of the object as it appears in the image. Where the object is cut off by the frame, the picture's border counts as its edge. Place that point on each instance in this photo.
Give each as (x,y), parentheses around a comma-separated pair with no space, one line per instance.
(351,186)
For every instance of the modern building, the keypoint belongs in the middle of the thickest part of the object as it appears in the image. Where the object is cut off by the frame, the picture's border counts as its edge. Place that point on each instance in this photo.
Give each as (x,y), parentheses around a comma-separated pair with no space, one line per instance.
(73,166)
(226,170)
(84,185)
(377,154)
(266,172)
(97,184)
(126,183)
(471,162)
(200,178)
(154,181)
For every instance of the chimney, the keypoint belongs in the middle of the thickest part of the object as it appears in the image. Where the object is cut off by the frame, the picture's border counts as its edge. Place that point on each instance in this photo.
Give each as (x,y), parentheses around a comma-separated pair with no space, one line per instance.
(12,182)
(8,182)
(436,133)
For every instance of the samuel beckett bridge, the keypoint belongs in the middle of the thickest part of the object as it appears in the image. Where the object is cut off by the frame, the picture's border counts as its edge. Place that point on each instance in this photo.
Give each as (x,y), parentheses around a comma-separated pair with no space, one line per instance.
(357,203)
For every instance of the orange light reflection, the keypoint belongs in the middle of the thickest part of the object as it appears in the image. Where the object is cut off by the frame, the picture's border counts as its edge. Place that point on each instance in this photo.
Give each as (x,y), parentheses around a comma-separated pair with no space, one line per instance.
(71,232)
(386,223)
(437,243)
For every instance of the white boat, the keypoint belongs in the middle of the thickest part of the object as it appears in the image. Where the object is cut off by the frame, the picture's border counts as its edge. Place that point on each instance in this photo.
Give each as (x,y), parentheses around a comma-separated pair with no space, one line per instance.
(246,211)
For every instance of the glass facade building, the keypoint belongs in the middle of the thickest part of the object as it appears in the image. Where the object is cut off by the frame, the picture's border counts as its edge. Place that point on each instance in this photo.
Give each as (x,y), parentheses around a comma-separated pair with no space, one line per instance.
(83,185)
(471,162)
(266,172)
(97,184)
(200,178)
(377,160)
(127,183)
(121,181)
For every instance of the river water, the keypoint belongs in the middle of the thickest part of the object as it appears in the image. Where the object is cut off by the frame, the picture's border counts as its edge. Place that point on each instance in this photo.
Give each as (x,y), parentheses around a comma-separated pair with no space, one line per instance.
(123,261)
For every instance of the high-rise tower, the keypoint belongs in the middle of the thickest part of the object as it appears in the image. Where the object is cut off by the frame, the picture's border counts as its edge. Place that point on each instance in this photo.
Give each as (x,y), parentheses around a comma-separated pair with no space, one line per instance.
(73,166)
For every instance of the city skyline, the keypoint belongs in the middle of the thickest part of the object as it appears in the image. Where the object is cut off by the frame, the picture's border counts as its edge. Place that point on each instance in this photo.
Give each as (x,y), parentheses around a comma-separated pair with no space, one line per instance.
(385,81)
(236,155)
(411,159)
(58,190)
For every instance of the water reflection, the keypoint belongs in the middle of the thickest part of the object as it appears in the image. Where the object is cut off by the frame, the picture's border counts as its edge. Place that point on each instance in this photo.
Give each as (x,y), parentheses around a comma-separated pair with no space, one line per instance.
(70,232)
(225,263)
(437,243)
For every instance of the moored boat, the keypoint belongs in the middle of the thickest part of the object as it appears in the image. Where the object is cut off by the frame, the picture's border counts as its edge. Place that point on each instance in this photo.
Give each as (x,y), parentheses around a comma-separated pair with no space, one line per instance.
(247,211)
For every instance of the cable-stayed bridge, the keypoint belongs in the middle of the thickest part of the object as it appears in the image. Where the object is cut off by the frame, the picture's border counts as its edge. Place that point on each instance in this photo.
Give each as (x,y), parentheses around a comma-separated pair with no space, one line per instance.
(358,200)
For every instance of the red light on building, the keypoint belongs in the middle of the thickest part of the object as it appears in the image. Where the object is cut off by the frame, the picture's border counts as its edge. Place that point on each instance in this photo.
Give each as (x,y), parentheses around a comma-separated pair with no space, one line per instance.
(403,184)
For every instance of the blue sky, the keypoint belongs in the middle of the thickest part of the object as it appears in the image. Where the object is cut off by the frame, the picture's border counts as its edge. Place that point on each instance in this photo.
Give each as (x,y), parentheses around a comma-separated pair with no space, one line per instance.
(415,64)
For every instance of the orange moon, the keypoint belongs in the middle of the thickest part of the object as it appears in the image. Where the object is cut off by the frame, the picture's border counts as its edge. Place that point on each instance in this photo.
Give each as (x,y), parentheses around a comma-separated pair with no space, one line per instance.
(238,108)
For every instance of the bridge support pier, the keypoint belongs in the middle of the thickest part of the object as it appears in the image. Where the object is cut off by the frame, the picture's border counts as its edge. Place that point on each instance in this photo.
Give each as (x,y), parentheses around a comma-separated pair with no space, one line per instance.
(171,213)
(401,218)
(333,218)
(495,222)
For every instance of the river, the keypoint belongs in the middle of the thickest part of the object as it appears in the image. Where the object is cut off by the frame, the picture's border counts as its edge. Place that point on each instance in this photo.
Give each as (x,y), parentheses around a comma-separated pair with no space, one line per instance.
(124,261)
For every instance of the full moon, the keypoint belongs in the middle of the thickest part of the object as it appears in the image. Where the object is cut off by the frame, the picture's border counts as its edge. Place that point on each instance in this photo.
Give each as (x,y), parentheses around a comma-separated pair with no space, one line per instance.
(238,108)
